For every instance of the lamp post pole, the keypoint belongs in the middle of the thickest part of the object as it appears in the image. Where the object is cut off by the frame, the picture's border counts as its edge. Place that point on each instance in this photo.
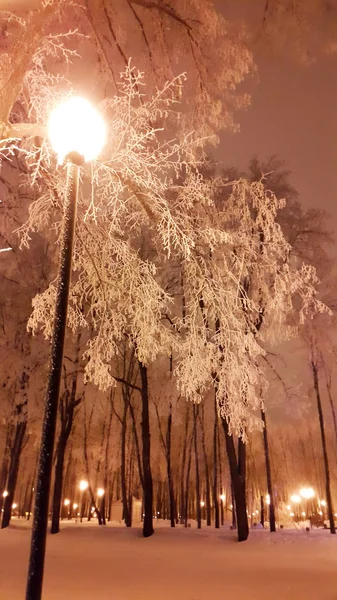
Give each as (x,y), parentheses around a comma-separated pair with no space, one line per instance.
(40,522)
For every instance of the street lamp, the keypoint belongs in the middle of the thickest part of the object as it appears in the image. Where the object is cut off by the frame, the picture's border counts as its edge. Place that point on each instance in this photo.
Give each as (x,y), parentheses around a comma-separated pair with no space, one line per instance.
(100,492)
(77,134)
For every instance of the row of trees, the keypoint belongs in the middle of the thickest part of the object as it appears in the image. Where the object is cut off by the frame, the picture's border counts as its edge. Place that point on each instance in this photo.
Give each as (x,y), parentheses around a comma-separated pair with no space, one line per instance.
(183,278)
(190,481)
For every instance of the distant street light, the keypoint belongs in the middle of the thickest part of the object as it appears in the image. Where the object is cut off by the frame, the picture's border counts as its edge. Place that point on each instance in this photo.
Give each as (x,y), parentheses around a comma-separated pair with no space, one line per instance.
(222,497)
(295,498)
(66,502)
(100,492)
(307,493)
(5,494)
(77,134)
(83,485)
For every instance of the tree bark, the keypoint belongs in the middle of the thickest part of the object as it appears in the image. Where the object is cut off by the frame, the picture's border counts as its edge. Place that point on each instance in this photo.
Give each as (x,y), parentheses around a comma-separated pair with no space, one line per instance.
(207,476)
(106,458)
(262,511)
(125,495)
(332,405)
(13,470)
(68,403)
(196,458)
(215,466)
(58,484)
(324,448)
(182,469)
(169,468)
(237,472)
(272,522)
(5,462)
(146,455)
(187,486)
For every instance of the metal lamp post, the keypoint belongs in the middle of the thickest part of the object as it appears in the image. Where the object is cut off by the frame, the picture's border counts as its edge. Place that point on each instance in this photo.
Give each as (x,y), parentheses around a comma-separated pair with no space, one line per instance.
(77,134)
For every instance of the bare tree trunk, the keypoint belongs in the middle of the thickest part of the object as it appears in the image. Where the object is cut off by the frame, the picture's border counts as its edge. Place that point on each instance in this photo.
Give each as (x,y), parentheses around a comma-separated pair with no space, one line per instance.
(233,508)
(332,405)
(215,465)
(182,472)
(30,503)
(58,484)
(272,523)
(187,486)
(262,511)
(106,458)
(166,444)
(125,496)
(13,470)
(137,445)
(325,452)
(86,462)
(5,462)
(221,482)
(146,455)
(196,458)
(68,404)
(237,472)
(169,468)
(207,475)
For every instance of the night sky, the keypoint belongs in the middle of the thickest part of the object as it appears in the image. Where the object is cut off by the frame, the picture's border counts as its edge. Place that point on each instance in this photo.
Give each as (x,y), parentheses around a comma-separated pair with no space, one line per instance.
(293,108)
(293,114)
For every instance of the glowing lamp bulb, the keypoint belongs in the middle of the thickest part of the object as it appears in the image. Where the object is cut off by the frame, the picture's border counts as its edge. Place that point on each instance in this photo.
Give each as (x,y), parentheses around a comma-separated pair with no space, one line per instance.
(75,506)
(66,502)
(83,485)
(223,497)
(267,499)
(100,492)
(323,503)
(14,506)
(202,503)
(76,126)
(5,494)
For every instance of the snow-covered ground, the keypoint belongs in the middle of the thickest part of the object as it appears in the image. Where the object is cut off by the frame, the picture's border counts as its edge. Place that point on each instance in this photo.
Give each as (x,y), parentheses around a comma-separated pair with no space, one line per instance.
(87,562)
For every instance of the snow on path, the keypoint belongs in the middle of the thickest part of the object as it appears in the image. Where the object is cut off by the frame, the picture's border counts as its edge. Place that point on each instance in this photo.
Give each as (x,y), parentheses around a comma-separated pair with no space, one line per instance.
(87,562)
